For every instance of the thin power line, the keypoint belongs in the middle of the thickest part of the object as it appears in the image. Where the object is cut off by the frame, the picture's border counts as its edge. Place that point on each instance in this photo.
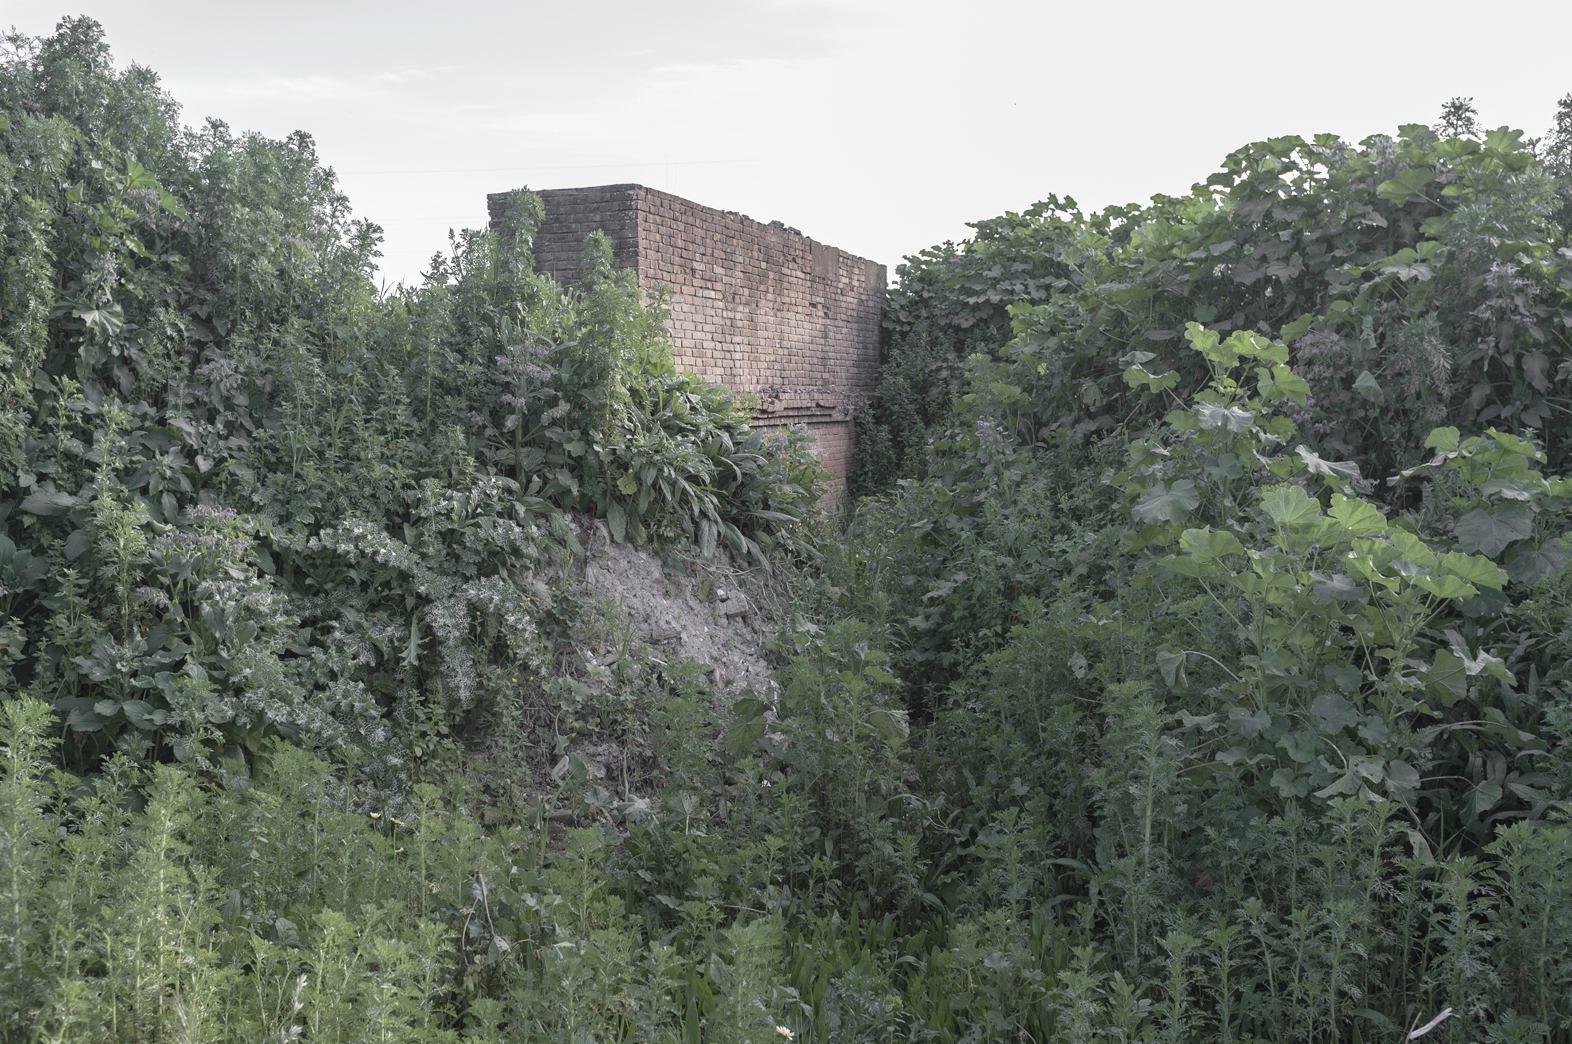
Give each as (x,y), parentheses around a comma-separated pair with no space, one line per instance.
(562,166)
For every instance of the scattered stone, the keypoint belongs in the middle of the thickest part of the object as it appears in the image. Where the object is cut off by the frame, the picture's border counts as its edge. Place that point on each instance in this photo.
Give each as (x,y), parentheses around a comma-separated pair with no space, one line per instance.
(702,614)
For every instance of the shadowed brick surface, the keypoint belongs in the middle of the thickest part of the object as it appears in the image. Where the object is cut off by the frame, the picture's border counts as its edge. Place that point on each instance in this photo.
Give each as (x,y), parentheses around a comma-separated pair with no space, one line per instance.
(759,308)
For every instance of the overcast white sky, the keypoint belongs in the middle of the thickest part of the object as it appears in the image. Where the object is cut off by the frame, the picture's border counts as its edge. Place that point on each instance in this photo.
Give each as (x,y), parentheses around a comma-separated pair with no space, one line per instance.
(880,127)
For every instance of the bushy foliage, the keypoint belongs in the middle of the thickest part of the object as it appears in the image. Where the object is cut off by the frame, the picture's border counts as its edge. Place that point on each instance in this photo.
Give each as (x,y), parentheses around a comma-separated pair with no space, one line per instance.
(1228,594)
(246,495)
(1195,679)
(1418,278)
(1289,757)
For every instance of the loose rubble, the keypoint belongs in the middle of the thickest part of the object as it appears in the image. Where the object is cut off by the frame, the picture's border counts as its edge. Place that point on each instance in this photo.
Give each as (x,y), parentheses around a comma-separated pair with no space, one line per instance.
(715,613)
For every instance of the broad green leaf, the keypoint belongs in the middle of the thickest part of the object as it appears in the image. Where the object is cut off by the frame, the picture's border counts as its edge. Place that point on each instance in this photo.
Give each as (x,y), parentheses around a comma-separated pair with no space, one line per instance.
(1300,746)
(1416,840)
(1402,779)
(1267,351)
(1210,543)
(1503,139)
(1373,730)
(48,502)
(1185,566)
(1512,444)
(1164,503)
(1291,384)
(617,520)
(1201,339)
(1443,440)
(1447,679)
(1485,797)
(747,726)
(1357,516)
(1335,712)
(1365,384)
(1298,328)
(1138,377)
(1346,470)
(144,715)
(105,321)
(1348,783)
(1490,530)
(1289,783)
(77,544)
(1249,724)
(1411,548)
(1172,666)
(1336,586)
(891,725)
(1447,587)
(1507,489)
(1371,767)
(1210,415)
(1528,564)
(1405,185)
(1290,505)
(1347,677)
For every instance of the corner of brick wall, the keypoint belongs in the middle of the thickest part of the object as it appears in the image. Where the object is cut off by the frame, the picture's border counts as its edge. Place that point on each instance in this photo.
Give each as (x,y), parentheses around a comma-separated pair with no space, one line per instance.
(759,308)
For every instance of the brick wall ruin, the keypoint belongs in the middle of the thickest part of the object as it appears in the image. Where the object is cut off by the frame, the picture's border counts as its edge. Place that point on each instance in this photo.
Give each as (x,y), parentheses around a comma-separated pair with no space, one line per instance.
(758,308)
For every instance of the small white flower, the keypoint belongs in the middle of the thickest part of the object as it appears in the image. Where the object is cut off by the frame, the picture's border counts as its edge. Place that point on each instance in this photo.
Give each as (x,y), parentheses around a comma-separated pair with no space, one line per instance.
(785,1032)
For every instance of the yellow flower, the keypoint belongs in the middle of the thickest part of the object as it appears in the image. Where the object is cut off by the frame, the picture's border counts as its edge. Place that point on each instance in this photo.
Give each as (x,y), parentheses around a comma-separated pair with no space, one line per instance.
(376,815)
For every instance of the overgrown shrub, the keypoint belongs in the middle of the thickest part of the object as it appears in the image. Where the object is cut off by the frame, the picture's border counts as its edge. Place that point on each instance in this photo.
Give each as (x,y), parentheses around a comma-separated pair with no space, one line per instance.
(1137,710)
(246,494)
(1416,276)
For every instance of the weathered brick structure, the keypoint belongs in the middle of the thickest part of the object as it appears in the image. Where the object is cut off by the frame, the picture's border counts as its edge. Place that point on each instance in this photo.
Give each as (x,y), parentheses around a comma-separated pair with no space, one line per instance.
(758,308)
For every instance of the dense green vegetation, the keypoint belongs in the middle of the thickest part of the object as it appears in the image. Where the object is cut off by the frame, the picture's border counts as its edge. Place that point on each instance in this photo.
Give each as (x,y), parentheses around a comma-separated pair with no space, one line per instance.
(1196,668)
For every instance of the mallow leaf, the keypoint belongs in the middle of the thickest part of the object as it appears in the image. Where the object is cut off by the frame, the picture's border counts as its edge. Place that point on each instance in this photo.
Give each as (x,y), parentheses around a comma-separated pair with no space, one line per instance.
(1528,564)
(1447,680)
(1290,505)
(1210,543)
(1318,465)
(1490,530)
(1405,185)
(1335,712)
(1486,796)
(1443,440)
(747,725)
(1172,666)
(1211,415)
(1357,516)
(1402,779)
(1336,586)
(1472,568)
(1165,503)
